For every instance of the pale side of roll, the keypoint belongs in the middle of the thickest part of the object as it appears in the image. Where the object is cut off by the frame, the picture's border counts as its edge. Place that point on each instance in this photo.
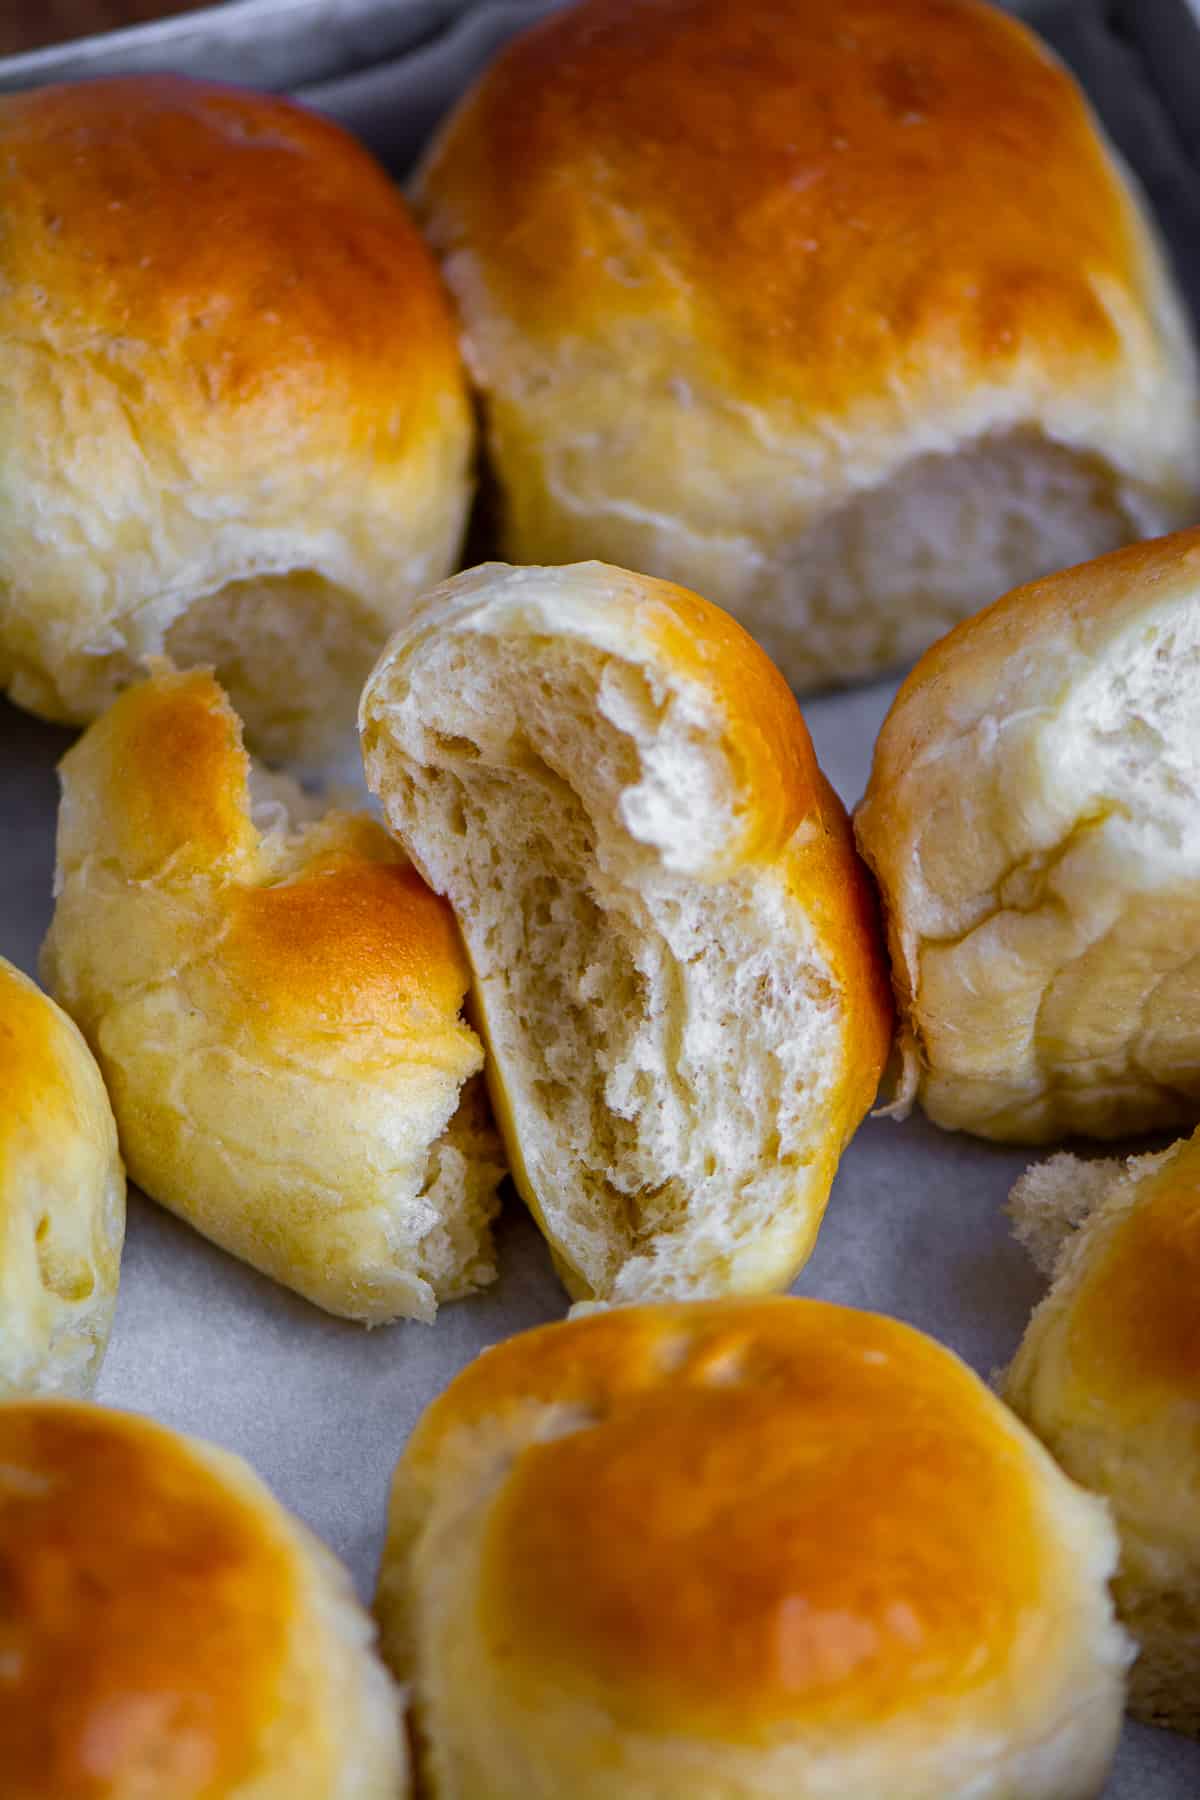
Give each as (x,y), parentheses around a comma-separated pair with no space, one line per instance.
(675,954)
(273,995)
(1032,821)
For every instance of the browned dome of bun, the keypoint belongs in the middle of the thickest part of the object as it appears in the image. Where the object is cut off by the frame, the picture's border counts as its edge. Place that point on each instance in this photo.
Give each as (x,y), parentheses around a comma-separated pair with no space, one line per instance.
(841,312)
(169,1632)
(62,1199)
(1108,1376)
(237,423)
(757,1548)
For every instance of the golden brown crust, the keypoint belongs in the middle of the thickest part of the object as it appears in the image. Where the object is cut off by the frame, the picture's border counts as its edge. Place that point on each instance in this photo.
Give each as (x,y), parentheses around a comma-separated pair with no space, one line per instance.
(353,936)
(1135,1331)
(800,187)
(146,1616)
(62,1198)
(168,1630)
(274,997)
(712,1550)
(765,731)
(37,1048)
(244,430)
(180,773)
(777,1546)
(384,946)
(797,817)
(330,295)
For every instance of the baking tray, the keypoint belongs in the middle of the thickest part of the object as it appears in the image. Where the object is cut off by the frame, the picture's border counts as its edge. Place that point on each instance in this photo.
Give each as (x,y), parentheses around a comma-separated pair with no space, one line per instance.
(915,1226)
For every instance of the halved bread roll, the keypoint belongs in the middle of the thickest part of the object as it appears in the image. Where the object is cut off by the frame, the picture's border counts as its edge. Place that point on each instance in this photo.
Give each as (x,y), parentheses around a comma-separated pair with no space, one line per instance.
(1108,1375)
(1032,819)
(169,1632)
(62,1199)
(764,1549)
(274,999)
(675,953)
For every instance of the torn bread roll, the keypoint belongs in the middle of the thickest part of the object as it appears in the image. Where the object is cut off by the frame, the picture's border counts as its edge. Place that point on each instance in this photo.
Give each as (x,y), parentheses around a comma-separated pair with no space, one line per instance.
(274,1000)
(1108,1375)
(842,312)
(764,1549)
(1031,819)
(244,432)
(675,953)
(62,1199)
(168,1630)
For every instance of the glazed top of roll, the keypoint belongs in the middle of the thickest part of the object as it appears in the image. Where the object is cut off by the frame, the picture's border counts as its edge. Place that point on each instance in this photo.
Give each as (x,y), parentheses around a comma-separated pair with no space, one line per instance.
(860,210)
(145,1605)
(162,794)
(55,1108)
(728,1516)
(62,1197)
(168,1629)
(1118,1338)
(235,258)
(244,430)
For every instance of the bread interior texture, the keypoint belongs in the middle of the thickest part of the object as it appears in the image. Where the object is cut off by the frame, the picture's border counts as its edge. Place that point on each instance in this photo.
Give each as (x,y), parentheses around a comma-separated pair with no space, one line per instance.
(282,646)
(900,563)
(832,594)
(291,649)
(661,1041)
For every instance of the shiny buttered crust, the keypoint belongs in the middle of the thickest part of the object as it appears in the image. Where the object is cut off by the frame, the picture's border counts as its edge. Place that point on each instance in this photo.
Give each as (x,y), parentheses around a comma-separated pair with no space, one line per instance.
(62,1199)
(839,311)
(237,425)
(1108,1375)
(771,1549)
(1032,819)
(275,1005)
(676,959)
(168,1630)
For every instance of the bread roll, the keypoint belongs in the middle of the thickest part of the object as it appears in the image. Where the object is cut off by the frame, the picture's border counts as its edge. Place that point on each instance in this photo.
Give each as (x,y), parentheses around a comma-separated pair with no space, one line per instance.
(1032,821)
(1108,1375)
(842,312)
(274,1001)
(764,1549)
(238,426)
(675,955)
(169,1632)
(62,1199)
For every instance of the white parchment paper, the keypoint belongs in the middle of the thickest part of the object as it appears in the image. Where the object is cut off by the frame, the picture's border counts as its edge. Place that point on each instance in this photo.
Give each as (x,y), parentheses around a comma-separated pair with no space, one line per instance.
(915,1226)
